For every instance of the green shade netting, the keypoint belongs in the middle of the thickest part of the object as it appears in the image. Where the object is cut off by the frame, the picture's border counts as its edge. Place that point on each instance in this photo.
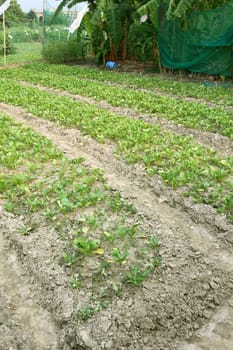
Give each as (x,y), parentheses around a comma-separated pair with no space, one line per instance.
(200,42)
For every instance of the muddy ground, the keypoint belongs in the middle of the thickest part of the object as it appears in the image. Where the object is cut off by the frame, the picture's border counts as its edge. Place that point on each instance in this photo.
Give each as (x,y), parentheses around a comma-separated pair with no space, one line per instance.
(187,305)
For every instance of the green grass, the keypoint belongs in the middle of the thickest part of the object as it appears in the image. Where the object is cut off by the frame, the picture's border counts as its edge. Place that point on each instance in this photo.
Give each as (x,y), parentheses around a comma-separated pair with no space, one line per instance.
(25,52)
(180,162)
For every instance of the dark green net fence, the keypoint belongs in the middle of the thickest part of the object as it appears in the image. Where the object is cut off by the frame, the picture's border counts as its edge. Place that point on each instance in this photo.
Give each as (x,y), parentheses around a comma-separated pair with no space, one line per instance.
(200,42)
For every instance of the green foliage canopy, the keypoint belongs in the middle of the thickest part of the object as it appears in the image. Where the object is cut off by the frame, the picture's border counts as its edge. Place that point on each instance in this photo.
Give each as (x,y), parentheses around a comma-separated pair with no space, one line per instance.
(14,14)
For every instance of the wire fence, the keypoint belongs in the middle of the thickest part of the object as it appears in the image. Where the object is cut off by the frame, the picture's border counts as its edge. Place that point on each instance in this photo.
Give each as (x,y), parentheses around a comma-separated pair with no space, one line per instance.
(25,40)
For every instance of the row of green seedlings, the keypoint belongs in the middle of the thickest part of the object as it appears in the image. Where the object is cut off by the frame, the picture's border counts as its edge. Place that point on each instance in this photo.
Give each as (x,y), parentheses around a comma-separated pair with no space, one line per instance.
(107,247)
(21,147)
(117,250)
(189,114)
(198,172)
(216,95)
(120,243)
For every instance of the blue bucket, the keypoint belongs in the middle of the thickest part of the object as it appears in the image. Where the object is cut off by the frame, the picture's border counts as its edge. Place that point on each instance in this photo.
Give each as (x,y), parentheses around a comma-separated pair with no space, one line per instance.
(111,65)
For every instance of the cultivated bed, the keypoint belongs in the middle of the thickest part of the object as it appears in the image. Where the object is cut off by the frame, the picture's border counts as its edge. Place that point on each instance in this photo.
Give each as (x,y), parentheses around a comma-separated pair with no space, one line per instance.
(116,211)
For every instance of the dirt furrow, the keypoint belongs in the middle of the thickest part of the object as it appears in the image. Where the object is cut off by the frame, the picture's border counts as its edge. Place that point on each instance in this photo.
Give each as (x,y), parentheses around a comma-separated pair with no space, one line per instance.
(168,308)
(219,143)
(217,333)
(197,275)
(22,322)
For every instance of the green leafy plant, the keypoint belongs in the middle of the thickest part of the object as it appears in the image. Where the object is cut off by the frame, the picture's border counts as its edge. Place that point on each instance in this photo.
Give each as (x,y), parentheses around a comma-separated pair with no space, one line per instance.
(25,231)
(75,282)
(109,236)
(156,262)
(69,258)
(86,246)
(126,231)
(119,256)
(116,288)
(102,270)
(83,314)
(9,206)
(154,242)
(136,276)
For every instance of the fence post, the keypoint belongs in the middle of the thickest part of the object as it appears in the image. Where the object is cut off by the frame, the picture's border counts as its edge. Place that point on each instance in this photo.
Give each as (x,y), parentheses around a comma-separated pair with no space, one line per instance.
(4,38)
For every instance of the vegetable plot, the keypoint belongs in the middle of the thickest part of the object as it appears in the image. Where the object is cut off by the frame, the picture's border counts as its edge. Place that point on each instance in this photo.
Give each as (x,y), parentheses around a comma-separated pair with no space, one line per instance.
(217,95)
(105,247)
(119,229)
(200,172)
(189,114)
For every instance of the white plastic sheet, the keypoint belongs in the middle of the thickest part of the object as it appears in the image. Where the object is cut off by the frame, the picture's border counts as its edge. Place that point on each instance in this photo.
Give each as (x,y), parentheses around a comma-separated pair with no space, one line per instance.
(4,6)
(75,25)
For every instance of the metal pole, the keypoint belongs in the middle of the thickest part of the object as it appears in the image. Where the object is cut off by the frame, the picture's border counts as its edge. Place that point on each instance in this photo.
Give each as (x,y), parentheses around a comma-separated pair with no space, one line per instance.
(4,37)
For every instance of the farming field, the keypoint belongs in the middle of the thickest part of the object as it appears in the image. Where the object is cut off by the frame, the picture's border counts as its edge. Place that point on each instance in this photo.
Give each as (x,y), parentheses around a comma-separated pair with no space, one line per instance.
(116,211)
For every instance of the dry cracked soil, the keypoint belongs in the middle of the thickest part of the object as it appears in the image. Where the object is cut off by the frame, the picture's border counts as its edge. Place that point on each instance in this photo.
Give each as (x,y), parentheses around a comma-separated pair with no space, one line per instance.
(188,305)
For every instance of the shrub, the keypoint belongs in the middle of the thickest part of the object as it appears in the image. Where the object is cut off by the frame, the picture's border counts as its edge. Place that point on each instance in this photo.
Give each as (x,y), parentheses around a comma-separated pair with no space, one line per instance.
(9,47)
(61,51)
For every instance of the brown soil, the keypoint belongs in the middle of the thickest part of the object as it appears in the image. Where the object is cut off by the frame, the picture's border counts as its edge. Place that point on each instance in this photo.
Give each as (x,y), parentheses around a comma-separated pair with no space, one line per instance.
(186,306)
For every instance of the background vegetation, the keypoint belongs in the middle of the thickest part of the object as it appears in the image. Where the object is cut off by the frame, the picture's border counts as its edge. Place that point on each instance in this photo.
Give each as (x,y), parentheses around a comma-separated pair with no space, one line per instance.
(111,30)
(118,30)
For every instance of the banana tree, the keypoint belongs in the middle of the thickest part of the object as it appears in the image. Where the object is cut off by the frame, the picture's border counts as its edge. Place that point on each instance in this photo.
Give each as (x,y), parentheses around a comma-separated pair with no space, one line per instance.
(107,23)
(176,8)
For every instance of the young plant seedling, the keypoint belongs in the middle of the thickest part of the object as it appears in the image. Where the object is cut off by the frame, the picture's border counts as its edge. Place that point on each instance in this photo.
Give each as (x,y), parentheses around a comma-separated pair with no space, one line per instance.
(119,256)
(25,231)
(75,282)
(136,276)
(154,242)
(69,258)
(86,246)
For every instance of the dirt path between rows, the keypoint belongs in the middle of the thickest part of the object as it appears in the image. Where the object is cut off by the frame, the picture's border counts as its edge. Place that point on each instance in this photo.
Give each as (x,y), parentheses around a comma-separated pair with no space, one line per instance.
(217,333)
(22,322)
(188,306)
